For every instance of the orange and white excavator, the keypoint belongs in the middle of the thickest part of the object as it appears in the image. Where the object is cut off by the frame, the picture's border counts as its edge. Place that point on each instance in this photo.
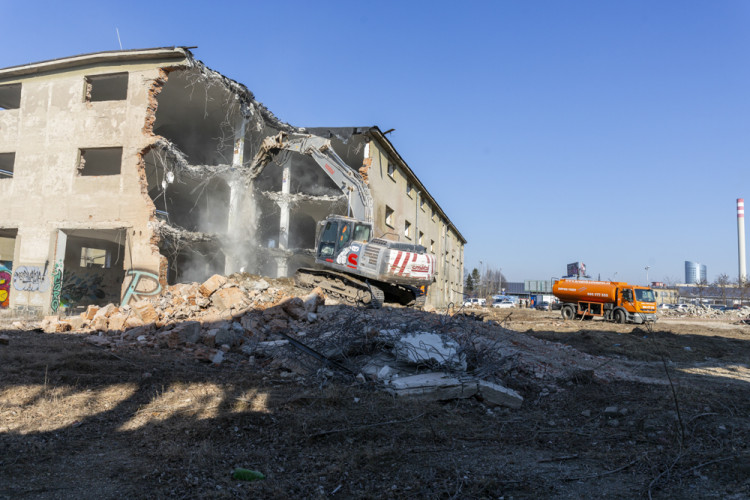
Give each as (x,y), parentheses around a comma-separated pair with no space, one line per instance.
(349,261)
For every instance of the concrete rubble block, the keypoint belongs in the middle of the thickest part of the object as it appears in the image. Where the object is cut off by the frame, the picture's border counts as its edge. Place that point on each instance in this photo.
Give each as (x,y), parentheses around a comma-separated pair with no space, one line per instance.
(134,321)
(17,325)
(117,321)
(294,307)
(496,394)
(228,298)
(49,323)
(385,373)
(105,312)
(99,323)
(270,347)
(275,313)
(90,312)
(217,358)
(134,333)
(208,338)
(97,340)
(435,386)
(188,332)
(260,285)
(315,299)
(277,325)
(75,322)
(231,336)
(426,347)
(146,312)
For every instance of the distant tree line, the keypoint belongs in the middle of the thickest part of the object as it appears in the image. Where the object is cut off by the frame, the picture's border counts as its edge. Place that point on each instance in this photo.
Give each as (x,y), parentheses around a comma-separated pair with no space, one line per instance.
(484,285)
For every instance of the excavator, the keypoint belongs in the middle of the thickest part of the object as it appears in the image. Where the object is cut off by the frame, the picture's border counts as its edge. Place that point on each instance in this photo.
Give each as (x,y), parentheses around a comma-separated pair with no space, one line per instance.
(350,262)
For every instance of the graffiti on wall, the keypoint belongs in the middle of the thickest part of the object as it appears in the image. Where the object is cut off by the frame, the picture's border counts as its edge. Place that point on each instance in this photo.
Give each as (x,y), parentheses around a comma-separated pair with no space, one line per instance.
(31,279)
(142,284)
(57,283)
(5,277)
(82,288)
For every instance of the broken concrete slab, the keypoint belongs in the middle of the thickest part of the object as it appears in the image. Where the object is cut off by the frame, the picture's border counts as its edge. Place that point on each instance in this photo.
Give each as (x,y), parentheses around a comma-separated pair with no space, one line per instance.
(426,347)
(434,386)
(498,395)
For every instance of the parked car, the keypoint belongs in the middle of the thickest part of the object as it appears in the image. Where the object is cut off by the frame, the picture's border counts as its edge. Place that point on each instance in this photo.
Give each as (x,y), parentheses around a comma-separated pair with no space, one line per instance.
(504,303)
(474,302)
(543,306)
(680,307)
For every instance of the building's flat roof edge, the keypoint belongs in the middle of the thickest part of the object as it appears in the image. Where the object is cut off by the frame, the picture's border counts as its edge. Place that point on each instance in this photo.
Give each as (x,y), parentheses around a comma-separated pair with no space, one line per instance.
(96,57)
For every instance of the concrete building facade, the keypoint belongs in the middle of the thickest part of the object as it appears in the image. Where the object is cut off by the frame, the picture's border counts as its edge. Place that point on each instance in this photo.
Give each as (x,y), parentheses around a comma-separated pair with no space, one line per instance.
(126,171)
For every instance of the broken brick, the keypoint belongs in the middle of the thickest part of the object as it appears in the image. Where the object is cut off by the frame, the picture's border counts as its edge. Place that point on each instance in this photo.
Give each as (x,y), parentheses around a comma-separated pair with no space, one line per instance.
(146,312)
(212,284)
(90,312)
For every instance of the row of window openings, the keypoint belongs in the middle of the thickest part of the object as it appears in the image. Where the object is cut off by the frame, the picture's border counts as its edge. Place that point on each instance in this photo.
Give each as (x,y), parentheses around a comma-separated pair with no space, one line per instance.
(409,187)
(407,228)
(91,161)
(97,88)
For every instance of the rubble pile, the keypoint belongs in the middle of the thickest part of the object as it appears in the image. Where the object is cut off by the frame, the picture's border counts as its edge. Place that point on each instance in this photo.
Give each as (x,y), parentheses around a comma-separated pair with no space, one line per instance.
(272,325)
(698,311)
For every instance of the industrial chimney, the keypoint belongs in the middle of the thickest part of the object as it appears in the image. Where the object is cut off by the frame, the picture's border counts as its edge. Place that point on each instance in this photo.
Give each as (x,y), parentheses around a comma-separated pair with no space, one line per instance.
(741,237)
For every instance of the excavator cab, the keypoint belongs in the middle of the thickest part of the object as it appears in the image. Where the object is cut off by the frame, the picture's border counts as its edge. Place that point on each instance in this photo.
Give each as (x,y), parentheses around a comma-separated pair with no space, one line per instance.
(337,233)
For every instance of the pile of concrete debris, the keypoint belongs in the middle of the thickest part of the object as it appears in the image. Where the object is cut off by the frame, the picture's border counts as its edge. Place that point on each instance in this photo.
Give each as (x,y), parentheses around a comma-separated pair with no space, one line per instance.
(276,326)
(707,312)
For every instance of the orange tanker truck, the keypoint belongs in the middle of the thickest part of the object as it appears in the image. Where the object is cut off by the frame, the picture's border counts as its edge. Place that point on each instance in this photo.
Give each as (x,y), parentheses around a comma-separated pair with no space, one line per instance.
(614,301)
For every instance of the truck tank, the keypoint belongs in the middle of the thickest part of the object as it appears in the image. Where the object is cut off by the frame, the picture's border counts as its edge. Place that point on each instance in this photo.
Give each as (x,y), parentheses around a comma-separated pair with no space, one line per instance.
(588,291)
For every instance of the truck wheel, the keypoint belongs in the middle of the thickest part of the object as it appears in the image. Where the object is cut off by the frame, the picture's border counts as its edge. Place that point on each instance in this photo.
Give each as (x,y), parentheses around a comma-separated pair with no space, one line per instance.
(620,316)
(567,312)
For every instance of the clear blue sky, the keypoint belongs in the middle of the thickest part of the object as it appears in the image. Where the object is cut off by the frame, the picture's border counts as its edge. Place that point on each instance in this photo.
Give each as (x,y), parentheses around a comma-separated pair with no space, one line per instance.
(616,133)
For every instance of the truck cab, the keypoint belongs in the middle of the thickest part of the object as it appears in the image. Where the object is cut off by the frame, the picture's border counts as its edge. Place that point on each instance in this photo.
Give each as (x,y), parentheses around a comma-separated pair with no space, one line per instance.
(638,304)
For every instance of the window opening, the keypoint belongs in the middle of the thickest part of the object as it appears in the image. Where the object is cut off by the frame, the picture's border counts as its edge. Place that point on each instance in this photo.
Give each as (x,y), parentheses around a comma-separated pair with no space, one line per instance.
(389,216)
(7,162)
(113,87)
(100,161)
(391,170)
(407,229)
(96,257)
(409,189)
(10,96)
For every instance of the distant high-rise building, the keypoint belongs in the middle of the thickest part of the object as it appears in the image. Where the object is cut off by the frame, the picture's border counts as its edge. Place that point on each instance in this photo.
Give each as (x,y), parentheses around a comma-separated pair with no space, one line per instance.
(695,272)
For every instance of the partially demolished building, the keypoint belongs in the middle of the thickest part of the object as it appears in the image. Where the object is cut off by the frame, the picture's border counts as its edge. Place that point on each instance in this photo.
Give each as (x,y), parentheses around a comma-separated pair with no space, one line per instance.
(126,171)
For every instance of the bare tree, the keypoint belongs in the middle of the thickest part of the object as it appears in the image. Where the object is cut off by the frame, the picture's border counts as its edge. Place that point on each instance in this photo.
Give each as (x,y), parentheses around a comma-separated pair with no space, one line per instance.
(721,283)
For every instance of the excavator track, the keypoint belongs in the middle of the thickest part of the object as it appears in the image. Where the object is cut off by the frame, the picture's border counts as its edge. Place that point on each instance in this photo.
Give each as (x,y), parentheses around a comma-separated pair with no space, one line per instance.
(341,285)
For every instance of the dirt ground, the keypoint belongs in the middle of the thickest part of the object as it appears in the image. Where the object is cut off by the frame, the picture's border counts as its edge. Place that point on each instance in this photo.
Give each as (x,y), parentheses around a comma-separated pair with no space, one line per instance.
(81,421)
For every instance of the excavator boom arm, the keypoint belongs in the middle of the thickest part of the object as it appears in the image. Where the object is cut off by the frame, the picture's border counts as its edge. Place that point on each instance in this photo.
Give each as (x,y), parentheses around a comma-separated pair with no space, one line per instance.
(320,150)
